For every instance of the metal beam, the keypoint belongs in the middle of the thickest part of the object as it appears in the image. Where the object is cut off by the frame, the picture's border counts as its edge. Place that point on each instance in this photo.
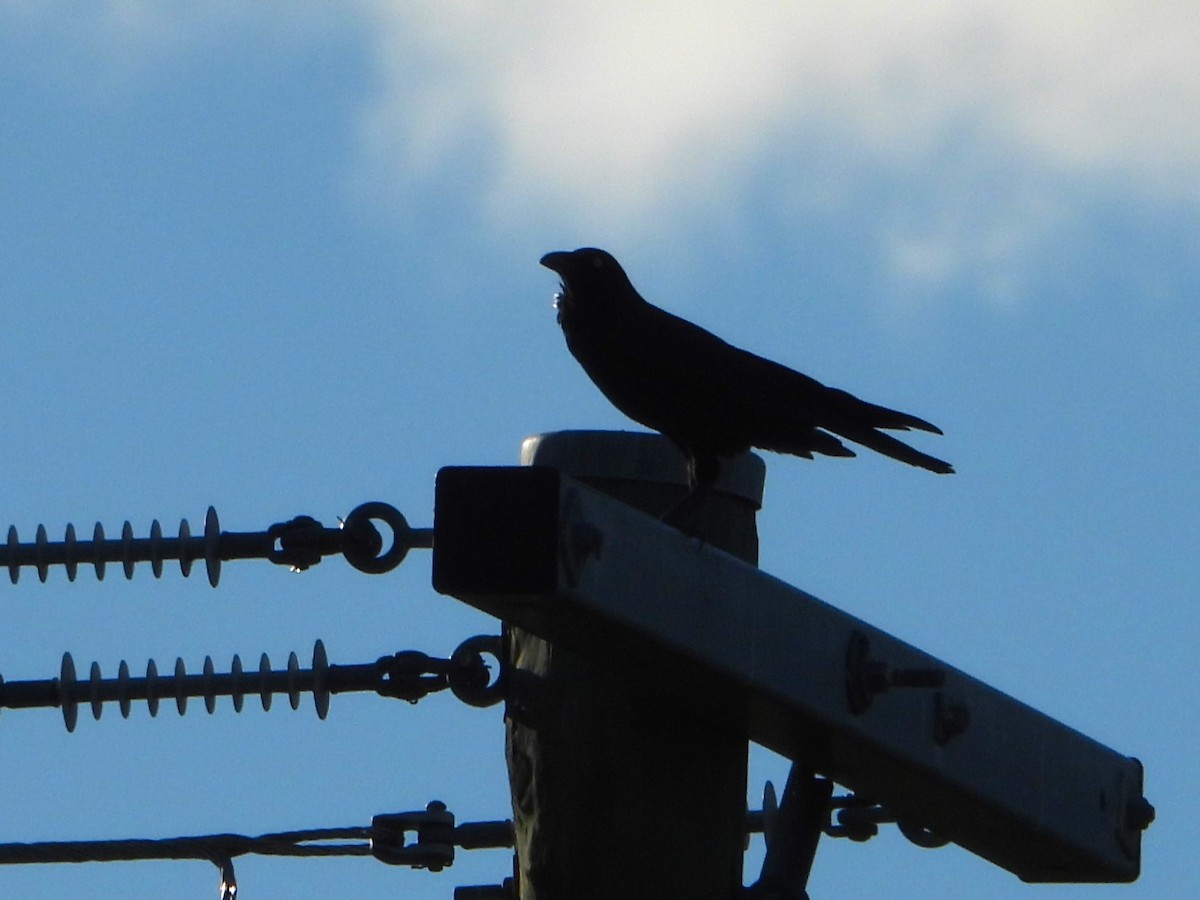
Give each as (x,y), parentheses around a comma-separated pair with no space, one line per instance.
(938,748)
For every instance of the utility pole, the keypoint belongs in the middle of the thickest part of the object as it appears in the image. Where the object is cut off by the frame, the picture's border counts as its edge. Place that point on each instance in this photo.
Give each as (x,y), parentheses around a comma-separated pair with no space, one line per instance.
(617,791)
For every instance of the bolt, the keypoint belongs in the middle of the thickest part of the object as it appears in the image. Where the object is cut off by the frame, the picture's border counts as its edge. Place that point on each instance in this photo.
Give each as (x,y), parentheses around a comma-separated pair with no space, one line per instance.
(1139,813)
(951,718)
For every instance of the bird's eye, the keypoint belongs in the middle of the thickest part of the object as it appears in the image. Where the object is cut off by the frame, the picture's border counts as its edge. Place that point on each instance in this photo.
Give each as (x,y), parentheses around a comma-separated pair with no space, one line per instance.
(597,262)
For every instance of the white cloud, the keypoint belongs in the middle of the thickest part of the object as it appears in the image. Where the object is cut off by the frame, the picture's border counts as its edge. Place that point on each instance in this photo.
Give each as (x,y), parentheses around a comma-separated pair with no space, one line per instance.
(623,113)
(633,89)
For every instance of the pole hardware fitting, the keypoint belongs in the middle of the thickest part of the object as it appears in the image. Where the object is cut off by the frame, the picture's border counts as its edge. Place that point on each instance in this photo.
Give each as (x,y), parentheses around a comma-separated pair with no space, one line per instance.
(411,675)
(298,543)
(858,819)
(1139,814)
(866,677)
(849,816)
(951,717)
(436,836)
(433,848)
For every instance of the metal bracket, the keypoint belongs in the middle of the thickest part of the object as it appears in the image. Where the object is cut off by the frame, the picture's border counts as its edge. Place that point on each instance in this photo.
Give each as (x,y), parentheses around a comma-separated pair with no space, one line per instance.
(792,836)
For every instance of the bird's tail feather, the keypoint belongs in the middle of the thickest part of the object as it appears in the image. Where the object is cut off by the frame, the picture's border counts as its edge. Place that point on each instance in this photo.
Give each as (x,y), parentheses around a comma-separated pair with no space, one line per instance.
(877,416)
(859,421)
(805,443)
(889,446)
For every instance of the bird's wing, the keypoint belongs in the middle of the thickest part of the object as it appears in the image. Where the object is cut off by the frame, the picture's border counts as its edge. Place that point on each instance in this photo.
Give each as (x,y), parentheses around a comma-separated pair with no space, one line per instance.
(713,397)
(761,403)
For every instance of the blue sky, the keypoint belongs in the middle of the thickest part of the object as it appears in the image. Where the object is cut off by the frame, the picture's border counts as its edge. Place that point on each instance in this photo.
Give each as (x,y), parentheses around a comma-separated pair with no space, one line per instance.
(282,259)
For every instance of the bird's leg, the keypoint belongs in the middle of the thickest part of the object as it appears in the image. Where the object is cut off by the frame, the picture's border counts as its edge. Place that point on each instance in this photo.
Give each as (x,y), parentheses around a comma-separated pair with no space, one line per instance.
(702,475)
(703,472)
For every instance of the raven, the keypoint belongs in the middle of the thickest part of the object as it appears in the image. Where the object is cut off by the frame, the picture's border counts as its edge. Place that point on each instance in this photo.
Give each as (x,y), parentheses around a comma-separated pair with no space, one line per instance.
(709,398)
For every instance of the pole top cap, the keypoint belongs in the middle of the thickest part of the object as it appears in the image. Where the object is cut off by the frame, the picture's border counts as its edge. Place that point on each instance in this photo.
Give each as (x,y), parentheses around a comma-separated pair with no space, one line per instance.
(637,456)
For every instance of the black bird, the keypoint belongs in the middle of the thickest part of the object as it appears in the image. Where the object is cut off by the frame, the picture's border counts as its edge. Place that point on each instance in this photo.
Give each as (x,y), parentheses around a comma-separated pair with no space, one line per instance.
(710,398)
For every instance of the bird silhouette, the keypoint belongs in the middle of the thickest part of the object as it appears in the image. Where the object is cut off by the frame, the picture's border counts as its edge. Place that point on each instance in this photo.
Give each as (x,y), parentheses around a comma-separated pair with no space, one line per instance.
(710,398)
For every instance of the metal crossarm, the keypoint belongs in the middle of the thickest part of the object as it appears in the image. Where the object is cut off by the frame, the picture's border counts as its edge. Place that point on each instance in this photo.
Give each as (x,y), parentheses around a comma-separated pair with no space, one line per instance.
(939,749)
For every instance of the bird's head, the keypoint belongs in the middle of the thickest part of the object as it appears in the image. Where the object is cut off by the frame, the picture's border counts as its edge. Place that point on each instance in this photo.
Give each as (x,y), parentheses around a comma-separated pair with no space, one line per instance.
(590,277)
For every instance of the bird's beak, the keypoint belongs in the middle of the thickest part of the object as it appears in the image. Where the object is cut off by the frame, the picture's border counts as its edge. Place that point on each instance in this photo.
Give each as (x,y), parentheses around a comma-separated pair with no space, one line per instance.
(556,261)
